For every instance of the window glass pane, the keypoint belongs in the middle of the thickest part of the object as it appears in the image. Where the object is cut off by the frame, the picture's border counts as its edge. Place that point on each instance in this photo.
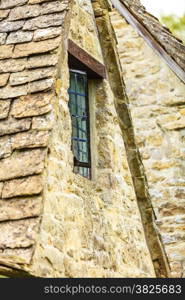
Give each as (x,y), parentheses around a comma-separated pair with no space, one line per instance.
(78,105)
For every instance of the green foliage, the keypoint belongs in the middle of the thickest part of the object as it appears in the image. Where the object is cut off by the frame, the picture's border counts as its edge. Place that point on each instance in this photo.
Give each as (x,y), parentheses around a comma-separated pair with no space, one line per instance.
(176,25)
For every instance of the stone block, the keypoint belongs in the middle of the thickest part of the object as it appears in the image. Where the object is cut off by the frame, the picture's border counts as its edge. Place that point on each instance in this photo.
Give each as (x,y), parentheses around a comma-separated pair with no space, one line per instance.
(180,193)
(45,122)
(180,124)
(26,186)
(6,51)
(18,234)
(40,85)
(4,13)
(32,105)
(19,208)
(30,139)
(11,3)
(5,147)
(43,60)
(47,33)
(6,26)
(22,163)
(4,79)
(173,238)
(182,111)
(12,125)
(164,119)
(13,92)
(22,256)
(12,65)
(168,209)
(44,21)
(154,139)
(19,37)
(3,38)
(22,50)
(1,188)
(24,12)
(161,165)
(37,1)
(4,109)
(30,75)
(53,7)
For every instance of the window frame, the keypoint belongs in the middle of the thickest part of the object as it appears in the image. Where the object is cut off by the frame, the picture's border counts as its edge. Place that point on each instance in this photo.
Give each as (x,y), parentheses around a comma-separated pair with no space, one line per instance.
(78,163)
(81,60)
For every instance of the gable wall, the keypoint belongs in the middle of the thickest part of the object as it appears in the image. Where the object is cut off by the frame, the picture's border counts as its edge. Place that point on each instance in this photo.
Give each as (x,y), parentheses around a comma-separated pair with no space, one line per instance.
(157,103)
(89,228)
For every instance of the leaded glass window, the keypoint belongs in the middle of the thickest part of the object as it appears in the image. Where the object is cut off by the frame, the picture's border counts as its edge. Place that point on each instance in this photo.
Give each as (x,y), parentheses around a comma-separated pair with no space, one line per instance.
(79,110)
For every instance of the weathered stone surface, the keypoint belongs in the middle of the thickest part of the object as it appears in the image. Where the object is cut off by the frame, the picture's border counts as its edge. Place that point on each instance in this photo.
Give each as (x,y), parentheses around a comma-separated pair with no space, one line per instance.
(11,3)
(172,208)
(48,33)
(35,47)
(6,51)
(44,21)
(6,26)
(17,208)
(172,121)
(30,139)
(4,13)
(1,188)
(160,165)
(77,202)
(4,109)
(22,187)
(19,37)
(5,147)
(156,97)
(22,164)
(38,1)
(22,256)
(12,65)
(30,75)
(174,100)
(30,11)
(180,124)
(173,238)
(180,193)
(32,105)
(13,91)
(102,221)
(3,38)
(17,234)
(24,12)
(54,6)
(45,122)
(12,125)
(43,60)
(40,85)
(4,79)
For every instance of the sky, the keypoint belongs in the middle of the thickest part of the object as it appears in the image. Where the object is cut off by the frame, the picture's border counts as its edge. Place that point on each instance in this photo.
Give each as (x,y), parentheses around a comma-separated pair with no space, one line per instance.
(165,7)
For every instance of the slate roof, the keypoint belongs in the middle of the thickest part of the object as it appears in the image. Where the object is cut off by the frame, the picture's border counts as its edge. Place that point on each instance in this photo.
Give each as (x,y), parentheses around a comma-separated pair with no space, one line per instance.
(157,35)
(30,39)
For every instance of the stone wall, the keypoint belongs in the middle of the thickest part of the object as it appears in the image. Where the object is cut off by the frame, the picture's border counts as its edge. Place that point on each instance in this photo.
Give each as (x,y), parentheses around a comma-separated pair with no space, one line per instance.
(157,104)
(30,35)
(89,228)
(55,223)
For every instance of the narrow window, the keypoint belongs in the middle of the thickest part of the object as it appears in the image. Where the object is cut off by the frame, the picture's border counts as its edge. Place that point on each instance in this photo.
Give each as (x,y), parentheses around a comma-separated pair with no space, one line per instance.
(79,110)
